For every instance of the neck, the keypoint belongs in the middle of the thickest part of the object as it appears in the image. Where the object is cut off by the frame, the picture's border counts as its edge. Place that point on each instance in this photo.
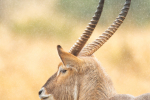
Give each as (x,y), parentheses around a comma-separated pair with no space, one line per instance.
(96,84)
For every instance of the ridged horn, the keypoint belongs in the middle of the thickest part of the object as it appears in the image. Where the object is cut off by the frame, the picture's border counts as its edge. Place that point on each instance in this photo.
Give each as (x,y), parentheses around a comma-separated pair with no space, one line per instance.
(89,49)
(76,48)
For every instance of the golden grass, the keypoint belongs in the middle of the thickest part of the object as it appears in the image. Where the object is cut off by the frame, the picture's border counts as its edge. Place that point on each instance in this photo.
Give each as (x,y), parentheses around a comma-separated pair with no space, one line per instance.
(26,64)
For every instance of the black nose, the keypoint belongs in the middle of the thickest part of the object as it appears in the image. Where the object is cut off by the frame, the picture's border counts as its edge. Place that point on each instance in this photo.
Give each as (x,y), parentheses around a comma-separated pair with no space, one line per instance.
(40,92)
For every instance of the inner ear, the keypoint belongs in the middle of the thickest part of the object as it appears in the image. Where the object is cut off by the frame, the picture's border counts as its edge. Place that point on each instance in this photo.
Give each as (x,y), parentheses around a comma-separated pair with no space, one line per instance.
(68,59)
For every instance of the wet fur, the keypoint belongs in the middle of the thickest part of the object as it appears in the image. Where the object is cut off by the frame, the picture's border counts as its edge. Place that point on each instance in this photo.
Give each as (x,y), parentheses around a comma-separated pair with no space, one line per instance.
(91,80)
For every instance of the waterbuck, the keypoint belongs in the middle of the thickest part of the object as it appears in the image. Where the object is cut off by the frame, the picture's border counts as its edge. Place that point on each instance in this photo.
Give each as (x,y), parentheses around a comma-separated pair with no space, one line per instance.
(79,75)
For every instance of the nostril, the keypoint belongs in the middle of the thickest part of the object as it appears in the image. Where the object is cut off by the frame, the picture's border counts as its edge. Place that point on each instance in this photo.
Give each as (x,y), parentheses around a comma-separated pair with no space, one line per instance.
(40,92)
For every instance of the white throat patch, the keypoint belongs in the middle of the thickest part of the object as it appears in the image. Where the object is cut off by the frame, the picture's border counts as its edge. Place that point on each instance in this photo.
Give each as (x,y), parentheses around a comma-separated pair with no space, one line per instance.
(75,93)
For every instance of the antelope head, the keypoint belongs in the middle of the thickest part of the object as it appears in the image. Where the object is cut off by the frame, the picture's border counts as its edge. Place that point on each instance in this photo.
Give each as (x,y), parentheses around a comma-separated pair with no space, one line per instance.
(79,75)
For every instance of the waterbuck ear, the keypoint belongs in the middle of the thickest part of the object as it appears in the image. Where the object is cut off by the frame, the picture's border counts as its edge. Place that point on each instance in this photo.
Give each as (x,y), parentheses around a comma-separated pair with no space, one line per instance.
(68,59)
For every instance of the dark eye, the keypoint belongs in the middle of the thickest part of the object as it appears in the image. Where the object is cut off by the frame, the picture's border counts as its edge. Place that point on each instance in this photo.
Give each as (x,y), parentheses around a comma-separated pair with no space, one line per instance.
(63,71)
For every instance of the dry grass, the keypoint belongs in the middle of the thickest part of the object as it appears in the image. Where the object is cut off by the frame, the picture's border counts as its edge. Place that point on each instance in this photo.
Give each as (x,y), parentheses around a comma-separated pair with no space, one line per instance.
(26,64)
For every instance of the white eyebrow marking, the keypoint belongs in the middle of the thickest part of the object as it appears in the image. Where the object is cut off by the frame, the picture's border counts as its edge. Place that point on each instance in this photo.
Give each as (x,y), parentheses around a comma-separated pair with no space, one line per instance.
(68,66)
(59,70)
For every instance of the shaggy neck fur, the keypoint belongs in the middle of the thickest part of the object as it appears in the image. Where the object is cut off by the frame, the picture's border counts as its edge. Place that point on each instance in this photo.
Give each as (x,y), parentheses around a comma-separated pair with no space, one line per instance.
(95,83)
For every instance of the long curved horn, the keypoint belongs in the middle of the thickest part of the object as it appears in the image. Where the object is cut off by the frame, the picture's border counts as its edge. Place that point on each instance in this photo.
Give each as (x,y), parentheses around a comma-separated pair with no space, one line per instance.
(76,48)
(89,49)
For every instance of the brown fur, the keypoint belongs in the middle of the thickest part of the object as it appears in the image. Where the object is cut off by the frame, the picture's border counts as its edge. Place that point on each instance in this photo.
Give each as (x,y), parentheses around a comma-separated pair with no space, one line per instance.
(85,72)
(94,82)
(82,78)
(90,78)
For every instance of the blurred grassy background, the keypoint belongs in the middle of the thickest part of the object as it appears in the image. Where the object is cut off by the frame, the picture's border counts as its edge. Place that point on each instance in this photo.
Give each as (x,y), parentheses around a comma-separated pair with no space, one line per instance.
(31,29)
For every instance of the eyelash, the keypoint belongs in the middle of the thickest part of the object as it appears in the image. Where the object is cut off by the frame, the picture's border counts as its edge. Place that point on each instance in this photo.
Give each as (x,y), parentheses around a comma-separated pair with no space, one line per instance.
(63,71)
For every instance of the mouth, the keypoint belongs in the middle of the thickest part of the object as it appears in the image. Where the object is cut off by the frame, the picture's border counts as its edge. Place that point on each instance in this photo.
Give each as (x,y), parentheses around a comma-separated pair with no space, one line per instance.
(44,96)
